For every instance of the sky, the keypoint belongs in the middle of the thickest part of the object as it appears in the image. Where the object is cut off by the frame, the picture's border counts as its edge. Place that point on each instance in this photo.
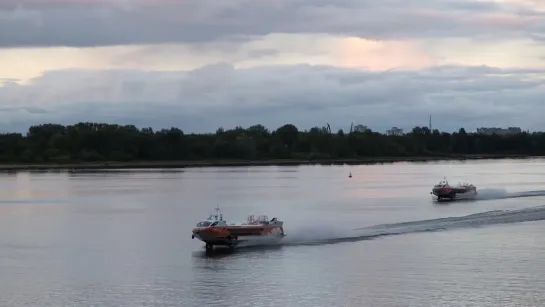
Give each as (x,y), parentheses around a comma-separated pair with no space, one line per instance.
(199,65)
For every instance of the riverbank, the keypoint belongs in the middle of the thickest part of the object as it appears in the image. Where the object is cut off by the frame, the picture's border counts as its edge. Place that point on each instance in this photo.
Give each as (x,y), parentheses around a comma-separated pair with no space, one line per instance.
(226,163)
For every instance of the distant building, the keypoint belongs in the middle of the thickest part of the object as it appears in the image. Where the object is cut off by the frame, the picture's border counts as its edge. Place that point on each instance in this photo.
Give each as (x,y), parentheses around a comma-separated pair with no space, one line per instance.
(499,131)
(394,131)
(360,128)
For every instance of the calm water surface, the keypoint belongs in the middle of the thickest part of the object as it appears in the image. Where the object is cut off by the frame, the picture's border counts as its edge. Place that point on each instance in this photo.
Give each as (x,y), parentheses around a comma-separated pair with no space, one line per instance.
(123,238)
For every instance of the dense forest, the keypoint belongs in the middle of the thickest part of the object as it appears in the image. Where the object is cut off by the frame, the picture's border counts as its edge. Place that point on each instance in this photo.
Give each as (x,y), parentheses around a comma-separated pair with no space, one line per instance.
(93,142)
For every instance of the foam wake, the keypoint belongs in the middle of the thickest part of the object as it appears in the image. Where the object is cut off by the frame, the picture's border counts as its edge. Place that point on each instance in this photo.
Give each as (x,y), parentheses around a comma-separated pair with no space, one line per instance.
(491,194)
(484,194)
(526,194)
(441,224)
(330,235)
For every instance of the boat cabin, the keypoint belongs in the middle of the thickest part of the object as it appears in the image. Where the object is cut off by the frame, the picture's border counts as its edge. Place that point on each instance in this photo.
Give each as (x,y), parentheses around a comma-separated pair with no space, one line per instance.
(465,184)
(204,224)
(217,220)
(213,220)
(442,184)
(209,223)
(262,220)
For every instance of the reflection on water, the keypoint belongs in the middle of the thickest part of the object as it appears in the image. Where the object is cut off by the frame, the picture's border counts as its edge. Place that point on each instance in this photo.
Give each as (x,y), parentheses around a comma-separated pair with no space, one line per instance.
(123,237)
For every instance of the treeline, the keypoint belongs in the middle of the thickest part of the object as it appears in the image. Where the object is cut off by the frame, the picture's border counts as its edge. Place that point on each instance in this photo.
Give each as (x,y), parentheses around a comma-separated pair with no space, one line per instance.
(92,142)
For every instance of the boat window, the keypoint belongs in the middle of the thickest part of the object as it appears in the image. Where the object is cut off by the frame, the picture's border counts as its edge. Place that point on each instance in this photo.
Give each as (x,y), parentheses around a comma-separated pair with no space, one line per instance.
(203,224)
(214,224)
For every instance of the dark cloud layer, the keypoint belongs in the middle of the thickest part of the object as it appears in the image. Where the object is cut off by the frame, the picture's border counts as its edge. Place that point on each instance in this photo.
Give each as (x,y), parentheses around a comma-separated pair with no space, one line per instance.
(219,95)
(88,23)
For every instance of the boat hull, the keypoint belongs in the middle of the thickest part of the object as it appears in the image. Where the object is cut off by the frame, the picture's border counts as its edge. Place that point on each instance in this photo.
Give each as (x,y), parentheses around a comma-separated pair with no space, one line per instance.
(454,193)
(235,236)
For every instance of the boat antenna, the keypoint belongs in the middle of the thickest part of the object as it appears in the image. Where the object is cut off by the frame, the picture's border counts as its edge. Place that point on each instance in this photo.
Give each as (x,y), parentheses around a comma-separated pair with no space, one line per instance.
(218,213)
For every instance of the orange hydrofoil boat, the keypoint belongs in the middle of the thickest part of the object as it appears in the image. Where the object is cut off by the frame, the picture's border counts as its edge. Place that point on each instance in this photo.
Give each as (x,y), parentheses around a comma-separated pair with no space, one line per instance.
(216,231)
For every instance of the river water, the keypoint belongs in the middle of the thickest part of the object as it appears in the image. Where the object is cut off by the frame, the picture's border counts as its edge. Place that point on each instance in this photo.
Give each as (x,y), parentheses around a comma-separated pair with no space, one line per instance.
(123,237)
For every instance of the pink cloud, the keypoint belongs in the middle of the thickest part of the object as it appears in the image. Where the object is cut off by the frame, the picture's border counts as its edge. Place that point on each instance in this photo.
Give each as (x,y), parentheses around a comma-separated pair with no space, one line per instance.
(381,55)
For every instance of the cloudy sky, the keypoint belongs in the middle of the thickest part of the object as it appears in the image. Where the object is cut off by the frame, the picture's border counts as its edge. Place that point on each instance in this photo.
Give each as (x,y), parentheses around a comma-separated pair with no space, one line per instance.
(201,64)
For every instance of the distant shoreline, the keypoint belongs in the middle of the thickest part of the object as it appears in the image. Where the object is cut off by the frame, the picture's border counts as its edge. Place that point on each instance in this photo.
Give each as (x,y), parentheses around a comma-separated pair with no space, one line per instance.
(234,163)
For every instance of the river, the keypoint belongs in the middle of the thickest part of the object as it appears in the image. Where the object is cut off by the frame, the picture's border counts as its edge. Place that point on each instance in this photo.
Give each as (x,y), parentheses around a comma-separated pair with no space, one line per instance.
(123,237)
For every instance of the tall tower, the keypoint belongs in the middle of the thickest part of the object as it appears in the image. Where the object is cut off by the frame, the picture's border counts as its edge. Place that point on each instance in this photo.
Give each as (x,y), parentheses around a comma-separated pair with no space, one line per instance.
(430,123)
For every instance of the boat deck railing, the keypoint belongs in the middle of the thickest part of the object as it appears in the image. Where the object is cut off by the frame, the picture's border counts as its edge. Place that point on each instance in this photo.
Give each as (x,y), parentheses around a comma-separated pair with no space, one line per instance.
(252,220)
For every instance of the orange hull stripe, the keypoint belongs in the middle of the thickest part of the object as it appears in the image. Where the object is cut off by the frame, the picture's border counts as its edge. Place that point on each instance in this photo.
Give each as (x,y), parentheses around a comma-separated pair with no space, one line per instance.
(237,230)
